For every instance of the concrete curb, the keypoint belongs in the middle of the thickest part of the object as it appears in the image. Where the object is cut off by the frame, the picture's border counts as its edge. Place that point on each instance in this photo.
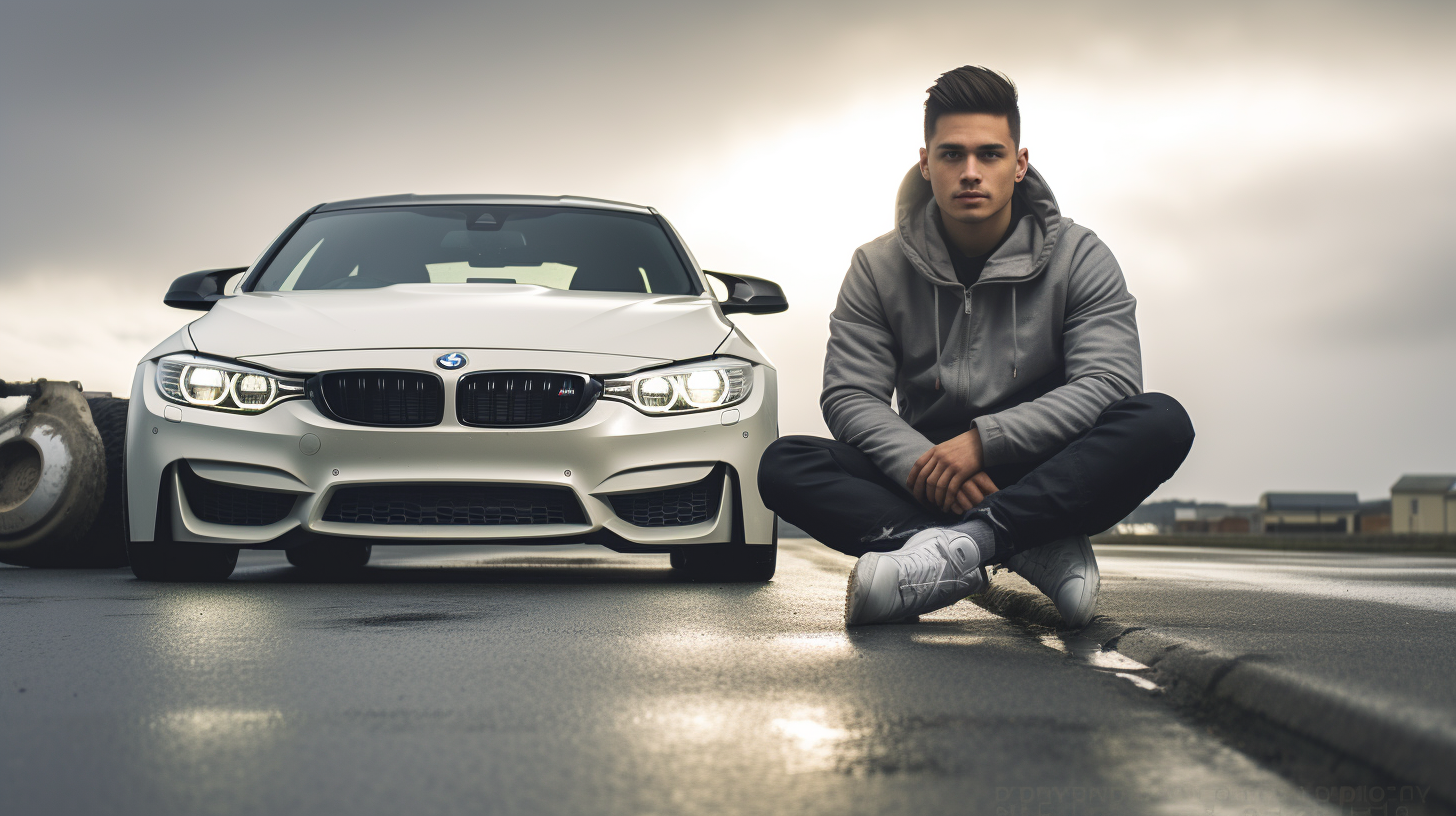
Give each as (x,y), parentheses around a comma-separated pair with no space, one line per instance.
(1386,544)
(1403,741)
(1396,739)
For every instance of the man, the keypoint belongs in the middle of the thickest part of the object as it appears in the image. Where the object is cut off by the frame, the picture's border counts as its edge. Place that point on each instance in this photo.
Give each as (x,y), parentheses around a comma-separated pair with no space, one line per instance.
(1007,337)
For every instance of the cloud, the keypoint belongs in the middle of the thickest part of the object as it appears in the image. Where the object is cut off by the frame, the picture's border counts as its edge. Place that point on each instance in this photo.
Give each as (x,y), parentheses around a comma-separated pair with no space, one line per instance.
(1215,147)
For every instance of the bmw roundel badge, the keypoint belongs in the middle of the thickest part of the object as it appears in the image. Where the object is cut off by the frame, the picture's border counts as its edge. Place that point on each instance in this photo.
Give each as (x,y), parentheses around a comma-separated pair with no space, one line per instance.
(451,361)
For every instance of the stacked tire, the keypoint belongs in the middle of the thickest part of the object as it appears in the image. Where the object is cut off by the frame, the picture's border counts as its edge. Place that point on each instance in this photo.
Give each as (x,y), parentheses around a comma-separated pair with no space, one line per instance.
(62,486)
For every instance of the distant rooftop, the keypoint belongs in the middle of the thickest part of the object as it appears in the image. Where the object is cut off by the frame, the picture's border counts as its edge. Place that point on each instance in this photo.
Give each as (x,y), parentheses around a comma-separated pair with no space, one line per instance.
(1310,502)
(1424,483)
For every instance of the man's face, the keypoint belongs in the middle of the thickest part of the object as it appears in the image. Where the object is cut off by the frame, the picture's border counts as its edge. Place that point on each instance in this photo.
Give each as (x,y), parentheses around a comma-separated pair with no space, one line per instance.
(972,165)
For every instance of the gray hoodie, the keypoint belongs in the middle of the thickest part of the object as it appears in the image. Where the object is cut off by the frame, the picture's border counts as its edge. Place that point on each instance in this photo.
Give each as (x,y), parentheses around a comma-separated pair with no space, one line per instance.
(1030,354)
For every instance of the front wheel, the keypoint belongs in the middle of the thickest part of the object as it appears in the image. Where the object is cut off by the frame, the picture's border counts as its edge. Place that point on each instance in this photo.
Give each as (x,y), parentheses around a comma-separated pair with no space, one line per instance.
(737,563)
(168,560)
(330,558)
(180,561)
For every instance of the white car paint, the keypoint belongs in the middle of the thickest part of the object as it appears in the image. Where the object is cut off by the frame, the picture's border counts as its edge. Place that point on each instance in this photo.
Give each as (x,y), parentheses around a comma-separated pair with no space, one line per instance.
(450,316)
(294,448)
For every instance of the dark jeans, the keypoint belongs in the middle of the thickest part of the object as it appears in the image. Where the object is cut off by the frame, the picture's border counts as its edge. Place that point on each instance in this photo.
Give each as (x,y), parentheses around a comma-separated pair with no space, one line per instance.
(833,492)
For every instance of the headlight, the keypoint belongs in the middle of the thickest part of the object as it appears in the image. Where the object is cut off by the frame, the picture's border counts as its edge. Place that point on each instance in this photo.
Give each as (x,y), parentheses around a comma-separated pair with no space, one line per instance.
(681,389)
(202,383)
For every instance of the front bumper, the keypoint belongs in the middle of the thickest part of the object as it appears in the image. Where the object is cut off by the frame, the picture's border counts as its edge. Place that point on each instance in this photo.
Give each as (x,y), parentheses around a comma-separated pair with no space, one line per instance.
(611,450)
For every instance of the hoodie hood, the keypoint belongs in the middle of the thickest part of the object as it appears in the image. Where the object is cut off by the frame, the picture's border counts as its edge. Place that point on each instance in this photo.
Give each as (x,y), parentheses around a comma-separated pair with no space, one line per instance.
(462,316)
(1023,255)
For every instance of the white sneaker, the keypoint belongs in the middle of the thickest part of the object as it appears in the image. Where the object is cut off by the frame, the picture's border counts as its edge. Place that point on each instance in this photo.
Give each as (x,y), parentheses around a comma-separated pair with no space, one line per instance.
(1065,571)
(935,568)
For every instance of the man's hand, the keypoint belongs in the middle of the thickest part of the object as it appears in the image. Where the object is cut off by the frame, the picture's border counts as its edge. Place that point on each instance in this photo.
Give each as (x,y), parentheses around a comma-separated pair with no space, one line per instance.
(973,491)
(949,476)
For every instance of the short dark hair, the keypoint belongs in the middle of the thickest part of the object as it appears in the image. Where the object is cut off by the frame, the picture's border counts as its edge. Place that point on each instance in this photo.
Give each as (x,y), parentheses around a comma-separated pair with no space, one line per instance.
(972,89)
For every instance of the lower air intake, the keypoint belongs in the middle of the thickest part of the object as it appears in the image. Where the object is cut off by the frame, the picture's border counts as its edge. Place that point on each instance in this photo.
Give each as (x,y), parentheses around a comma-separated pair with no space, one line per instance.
(471,504)
(674,506)
(220,503)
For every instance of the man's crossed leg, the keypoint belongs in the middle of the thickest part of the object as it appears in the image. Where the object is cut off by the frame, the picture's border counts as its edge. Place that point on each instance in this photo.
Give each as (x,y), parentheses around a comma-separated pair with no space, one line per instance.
(832,491)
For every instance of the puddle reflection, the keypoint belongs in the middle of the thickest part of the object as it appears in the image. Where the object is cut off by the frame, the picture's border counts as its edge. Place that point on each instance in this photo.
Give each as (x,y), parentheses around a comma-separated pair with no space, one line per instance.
(1092,653)
(812,745)
(777,737)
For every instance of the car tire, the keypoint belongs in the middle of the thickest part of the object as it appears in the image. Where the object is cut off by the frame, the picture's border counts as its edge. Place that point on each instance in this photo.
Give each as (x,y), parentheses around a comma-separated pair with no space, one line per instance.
(176,561)
(52,480)
(331,557)
(734,563)
(181,561)
(104,544)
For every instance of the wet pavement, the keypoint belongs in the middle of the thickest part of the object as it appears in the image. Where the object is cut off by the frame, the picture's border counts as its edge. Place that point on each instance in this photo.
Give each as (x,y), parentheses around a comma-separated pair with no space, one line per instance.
(572,680)
(1376,625)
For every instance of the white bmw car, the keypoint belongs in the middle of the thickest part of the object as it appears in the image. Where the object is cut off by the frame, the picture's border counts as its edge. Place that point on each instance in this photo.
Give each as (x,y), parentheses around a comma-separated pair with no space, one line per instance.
(436,369)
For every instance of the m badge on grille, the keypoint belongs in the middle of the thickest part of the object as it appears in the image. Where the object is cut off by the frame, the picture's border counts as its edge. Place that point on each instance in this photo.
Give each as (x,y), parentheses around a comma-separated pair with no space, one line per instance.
(451,361)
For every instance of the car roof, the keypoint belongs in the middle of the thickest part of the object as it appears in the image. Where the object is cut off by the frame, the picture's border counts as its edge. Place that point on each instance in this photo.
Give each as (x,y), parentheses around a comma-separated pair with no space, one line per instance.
(408,199)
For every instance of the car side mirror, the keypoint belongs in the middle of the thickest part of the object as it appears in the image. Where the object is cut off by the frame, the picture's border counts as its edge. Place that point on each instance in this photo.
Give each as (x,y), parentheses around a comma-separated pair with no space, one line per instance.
(750,295)
(199,290)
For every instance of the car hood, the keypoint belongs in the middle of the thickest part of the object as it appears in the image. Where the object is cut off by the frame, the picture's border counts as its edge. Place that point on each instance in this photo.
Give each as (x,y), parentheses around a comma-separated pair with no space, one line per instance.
(463,316)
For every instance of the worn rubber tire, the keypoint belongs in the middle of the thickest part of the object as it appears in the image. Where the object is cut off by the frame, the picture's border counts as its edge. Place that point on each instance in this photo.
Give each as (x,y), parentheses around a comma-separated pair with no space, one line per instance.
(52,480)
(166,560)
(104,544)
(330,558)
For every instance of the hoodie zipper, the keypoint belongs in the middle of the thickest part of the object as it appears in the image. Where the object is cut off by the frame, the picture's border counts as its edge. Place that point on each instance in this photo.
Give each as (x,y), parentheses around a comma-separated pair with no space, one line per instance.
(961,371)
(1015,336)
(963,366)
(962,358)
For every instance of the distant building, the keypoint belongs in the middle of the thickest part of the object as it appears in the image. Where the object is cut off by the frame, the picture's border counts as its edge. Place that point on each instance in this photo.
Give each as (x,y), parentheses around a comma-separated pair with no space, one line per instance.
(1423,504)
(1158,516)
(1228,518)
(1216,518)
(1308,512)
(1374,516)
(1178,516)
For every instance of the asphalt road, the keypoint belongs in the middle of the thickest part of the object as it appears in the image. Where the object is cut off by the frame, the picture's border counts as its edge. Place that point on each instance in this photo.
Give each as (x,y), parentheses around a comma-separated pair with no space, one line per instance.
(573,680)
(1379,626)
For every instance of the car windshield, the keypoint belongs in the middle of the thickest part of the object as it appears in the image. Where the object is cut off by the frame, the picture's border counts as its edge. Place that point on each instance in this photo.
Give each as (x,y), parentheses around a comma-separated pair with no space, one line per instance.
(559,247)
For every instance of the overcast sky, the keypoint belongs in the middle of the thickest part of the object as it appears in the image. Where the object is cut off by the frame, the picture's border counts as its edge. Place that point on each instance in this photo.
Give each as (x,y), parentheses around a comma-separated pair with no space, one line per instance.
(1275,179)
